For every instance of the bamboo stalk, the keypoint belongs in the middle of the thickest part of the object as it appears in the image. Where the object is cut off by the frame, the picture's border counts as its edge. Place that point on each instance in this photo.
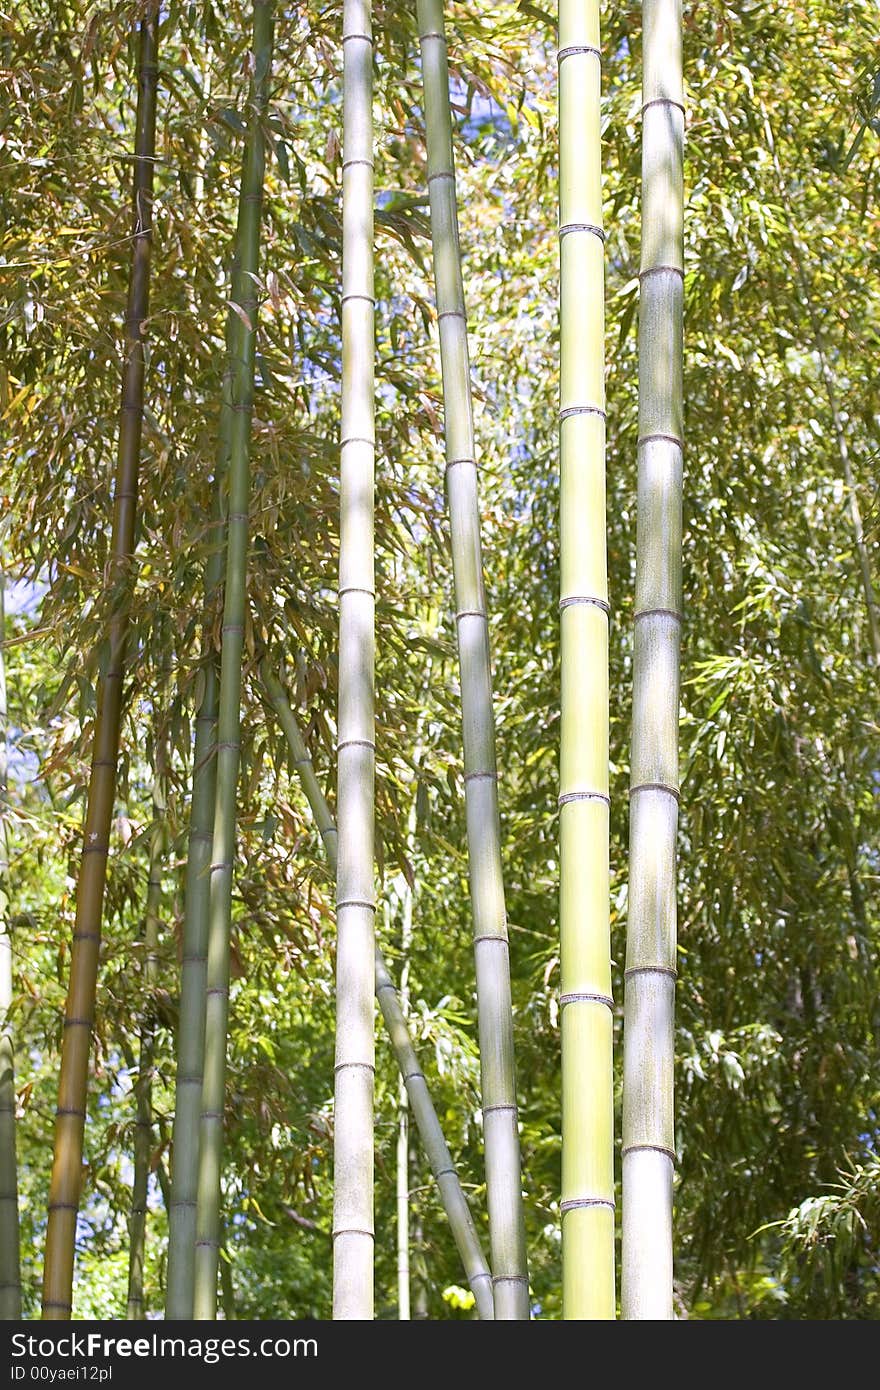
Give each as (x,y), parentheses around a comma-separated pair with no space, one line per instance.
(10,1269)
(648,1124)
(455,1204)
(587,1204)
(64,1192)
(180,1291)
(208,1221)
(353,1231)
(402,1155)
(143,1091)
(494,1006)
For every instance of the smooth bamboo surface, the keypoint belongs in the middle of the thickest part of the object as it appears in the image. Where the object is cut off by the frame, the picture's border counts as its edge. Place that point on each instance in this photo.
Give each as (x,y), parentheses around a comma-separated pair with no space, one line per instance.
(208,1216)
(494,1007)
(648,1102)
(455,1203)
(587,1202)
(353,1230)
(10,1269)
(64,1191)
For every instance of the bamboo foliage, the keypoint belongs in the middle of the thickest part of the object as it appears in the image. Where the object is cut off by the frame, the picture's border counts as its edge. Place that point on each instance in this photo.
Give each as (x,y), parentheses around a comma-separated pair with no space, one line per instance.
(64,1193)
(10,1272)
(500,1121)
(353,1235)
(587,1203)
(648,1128)
(455,1203)
(229,698)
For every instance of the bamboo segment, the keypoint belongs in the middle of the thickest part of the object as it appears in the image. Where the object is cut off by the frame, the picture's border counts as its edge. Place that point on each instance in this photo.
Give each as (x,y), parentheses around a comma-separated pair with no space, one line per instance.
(353,1234)
(587,1203)
(648,1124)
(10,1270)
(64,1192)
(194,965)
(501,1131)
(143,1137)
(402,1156)
(207,1250)
(436,1149)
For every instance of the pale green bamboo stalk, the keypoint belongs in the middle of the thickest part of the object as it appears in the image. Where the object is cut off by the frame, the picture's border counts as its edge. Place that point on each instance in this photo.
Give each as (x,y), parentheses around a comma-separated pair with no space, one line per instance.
(143,1090)
(648,1117)
(494,1007)
(587,1204)
(180,1290)
(10,1271)
(402,1155)
(436,1149)
(232,646)
(353,1231)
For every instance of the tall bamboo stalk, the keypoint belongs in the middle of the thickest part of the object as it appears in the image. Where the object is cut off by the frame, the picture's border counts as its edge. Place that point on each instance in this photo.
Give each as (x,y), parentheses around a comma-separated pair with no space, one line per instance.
(495,1014)
(180,1289)
(64,1192)
(587,1204)
(232,646)
(143,1090)
(436,1149)
(10,1270)
(648,1126)
(402,1156)
(353,1235)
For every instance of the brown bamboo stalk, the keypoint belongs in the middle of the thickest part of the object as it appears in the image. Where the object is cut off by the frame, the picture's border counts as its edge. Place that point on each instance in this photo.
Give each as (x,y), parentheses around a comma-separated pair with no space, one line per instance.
(64,1192)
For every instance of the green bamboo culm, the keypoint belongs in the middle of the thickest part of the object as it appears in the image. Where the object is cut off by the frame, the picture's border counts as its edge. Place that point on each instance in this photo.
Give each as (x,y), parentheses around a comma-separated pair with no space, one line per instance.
(494,1008)
(143,1089)
(180,1290)
(207,1248)
(353,1231)
(452,1196)
(64,1191)
(587,1204)
(648,1125)
(10,1269)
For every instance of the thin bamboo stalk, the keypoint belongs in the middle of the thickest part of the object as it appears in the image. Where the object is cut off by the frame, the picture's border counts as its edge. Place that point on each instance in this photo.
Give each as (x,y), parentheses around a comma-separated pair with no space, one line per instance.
(402,1156)
(494,1007)
(143,1090)
(10,1269)
(587,1203)
(64,1192)
(208,1220)
(353,1231)
(180,1291)
(455,1204)
(648,1123)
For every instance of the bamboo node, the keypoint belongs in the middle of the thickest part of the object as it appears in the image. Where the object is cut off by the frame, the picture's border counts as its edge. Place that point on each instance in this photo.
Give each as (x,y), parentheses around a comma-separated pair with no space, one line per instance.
(492,1109)
(441,174)
(670,438)
(509,1279)
(659,613)
(413,1076)
(581,410)
(572,48)
(354,1231)
(448,1173)
(663,101)
(572,599)
(481,777)
(356,743)
(356,902)
(565,797)
(452,314)
(572,1203)
(367,298)
(577,997)
(357,439)
(54,1303)
(568,227)
(350,163)
(347,1066)
(453,463)
(472,613)
(661,270)
(367,38)
(651,970)
(354,589)
(77,1023)
(649,1148)
(656,787)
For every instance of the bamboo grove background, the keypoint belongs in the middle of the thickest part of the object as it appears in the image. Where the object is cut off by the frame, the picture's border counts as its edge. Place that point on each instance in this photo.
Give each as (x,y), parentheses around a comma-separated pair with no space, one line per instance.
(777,1014)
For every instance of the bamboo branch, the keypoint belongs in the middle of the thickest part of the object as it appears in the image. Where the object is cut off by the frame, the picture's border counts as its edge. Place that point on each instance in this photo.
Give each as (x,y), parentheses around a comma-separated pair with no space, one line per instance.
(64,1192)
